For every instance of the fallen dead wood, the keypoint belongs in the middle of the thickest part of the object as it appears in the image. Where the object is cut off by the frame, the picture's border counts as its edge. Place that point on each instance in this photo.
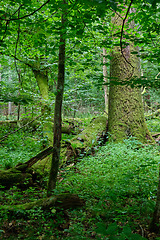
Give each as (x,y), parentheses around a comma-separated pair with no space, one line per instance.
(85,142)
(155,135)
(82,144)
(67,129)
(152,115)
(23,171)
(62,201)
(38,157)
(11,177)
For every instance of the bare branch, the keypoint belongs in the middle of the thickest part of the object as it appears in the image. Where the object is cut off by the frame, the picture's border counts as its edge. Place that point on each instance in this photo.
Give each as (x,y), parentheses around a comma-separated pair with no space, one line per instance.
(28,15)
(121,38)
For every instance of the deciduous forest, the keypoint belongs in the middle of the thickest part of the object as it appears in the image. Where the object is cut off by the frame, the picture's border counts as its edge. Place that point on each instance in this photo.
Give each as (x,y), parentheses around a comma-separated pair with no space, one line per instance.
(80,119)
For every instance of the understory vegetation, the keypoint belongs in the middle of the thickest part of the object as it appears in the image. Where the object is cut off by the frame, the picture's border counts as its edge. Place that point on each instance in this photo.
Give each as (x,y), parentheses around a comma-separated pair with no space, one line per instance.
(79,119)
(118,184)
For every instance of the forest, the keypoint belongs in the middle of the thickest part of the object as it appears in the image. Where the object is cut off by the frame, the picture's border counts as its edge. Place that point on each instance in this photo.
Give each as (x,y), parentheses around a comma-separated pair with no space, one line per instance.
(80,119)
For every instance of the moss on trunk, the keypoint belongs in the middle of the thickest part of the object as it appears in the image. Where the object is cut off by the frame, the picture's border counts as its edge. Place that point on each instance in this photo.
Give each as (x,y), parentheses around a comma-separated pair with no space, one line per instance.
(11,177)
(63,201)
(42,81)
(125,114)
(83,143)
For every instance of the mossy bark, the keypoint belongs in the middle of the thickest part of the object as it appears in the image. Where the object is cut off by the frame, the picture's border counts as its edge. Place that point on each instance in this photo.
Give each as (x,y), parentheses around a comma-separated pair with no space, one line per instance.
(42,81)
(58,111)
(63,201)
(84,143)
(155,223)
(125,113)
(13,176)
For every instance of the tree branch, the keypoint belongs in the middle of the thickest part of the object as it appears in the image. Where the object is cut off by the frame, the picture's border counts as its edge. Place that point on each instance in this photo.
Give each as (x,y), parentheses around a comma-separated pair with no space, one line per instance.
(122,30)
(28,15)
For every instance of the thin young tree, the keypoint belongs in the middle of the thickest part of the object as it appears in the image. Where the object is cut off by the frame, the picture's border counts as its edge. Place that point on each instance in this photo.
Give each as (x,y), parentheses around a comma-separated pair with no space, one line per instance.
(58,112)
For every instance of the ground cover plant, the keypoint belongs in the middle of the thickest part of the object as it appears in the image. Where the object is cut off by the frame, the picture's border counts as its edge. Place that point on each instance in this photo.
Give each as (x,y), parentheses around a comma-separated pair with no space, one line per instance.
(68,58)
(118,185)
(14,147)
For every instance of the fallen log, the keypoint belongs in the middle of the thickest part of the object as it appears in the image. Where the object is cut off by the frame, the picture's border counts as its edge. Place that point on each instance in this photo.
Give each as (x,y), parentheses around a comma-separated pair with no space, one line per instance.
(23,171)
(82,144)
(23,124)
(39,156)
(62,201)
(85,142)
(15,122)
(11,177)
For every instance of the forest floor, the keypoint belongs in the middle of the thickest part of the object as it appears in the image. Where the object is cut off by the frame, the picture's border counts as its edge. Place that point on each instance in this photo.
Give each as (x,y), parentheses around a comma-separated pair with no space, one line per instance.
(118,184)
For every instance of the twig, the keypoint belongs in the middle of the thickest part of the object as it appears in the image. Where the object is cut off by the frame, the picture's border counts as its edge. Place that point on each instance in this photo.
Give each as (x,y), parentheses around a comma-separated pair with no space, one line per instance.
(142,230)
(156,135)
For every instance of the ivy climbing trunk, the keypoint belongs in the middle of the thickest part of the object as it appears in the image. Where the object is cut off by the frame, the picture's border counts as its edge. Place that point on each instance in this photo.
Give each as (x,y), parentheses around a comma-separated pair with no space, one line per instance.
(125,112)
(58,114)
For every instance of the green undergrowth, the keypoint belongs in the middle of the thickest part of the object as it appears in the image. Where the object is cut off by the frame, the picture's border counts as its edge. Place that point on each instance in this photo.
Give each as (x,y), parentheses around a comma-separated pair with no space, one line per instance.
(19,146)
(154,124)
(118,185)
(26,143)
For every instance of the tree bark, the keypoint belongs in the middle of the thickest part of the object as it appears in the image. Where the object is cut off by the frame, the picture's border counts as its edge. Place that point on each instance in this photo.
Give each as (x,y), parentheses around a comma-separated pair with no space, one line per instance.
(58,113)
(63,201)
(85,142)
(42,81)
(105,80)
(155,224)
(125,113)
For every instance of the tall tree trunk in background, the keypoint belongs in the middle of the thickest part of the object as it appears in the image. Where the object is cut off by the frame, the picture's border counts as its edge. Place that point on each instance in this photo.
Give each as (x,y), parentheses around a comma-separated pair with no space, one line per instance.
(155,224)
(105,80)
(125,113)
(9,108)
(0,81)
(58,114)
(42,81)
(9,103)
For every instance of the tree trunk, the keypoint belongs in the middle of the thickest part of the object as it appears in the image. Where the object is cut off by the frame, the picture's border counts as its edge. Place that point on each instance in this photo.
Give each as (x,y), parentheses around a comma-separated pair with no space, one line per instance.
(105,80)
(155,224)
(84,143)
(62,201)
(42,81)
(125,114)
(13,176)
(58,114)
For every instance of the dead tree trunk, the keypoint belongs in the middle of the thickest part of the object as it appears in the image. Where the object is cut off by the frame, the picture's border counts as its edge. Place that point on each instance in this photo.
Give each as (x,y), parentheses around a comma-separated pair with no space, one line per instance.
(62,201)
